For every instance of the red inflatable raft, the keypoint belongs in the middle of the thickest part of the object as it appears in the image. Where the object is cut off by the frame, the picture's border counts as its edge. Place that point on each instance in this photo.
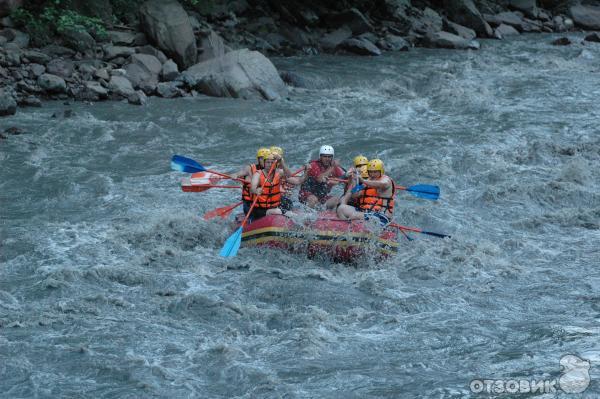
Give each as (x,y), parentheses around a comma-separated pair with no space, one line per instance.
(327,236)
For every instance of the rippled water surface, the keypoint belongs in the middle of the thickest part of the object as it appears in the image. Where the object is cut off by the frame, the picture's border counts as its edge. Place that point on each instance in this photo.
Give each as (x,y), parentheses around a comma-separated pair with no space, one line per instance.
(111,284)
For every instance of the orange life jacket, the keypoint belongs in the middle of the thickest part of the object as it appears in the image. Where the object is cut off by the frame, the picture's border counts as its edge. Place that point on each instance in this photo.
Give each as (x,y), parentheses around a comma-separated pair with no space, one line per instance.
(371,201)
(246,194)
(271,192)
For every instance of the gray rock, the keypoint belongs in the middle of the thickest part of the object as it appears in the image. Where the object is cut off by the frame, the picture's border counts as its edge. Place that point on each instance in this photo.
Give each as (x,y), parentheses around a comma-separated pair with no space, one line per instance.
(54,50)
(137,98)
(167,25)
(60,67)
(464,12)
(353,19)
(80,40)
(394,43)
(86,70)
(3,41)
(511,19)
(586,17)
(16,37)
(212,46)
(169,71)
(147,49)
(561,41)
(593,37)
(30,101)
(168,90)
(506,30)
(102,74)
(451,41)
(37,57)
(120,86)
(293,79)
(429,22)
(37,69)
(359,46)
(459,30)
(143,68)
(559,23)
(52,83)
(12,57)
(118,72)
(95,90)
(527,7)
(122,38)
(331,40)
(111,52)
(569,23)
(239,74)
(8,105)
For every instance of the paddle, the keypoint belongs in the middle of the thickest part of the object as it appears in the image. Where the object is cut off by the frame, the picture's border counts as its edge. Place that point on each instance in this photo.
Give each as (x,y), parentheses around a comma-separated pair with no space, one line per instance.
(232,244)
(183,164)
(222,212)
(431,233)
(426,191)
(198,188)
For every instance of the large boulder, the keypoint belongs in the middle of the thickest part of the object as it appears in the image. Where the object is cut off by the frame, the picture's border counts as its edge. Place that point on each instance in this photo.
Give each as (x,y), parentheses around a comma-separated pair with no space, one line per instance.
(527,7)
(449,40)
(169,71)
(504,30)
(52,83)
(111,52)
(351,18)
(464,12)
(587,17)
(359,46)
(120,86)
(239,74)
(331,40)
(212,46)
(167,24)
(511,19)
(60,67)
(8,105)
(143,70)
(78,39)
(459,30)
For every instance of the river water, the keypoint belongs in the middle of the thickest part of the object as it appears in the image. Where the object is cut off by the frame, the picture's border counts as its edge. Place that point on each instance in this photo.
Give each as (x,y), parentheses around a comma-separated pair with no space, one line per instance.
(111,284)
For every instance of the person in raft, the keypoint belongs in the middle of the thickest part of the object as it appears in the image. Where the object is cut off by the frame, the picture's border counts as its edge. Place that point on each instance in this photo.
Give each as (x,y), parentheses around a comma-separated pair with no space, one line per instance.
(267,187)
(375,199)
(247,172)
(315,190)
(360,165)
(287,204)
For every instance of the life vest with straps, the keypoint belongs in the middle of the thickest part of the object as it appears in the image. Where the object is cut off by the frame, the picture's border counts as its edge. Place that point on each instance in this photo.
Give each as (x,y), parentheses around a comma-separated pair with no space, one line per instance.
(246,194)
(371,201)
(271,193)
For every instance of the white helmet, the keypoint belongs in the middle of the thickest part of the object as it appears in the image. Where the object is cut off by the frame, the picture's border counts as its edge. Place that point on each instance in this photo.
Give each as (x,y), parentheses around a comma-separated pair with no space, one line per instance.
(326,150)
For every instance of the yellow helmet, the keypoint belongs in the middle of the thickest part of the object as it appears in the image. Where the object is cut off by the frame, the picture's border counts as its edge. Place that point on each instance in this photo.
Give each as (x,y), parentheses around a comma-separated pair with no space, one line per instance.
(263,152)
(376,165)
(277,150)
(360,160)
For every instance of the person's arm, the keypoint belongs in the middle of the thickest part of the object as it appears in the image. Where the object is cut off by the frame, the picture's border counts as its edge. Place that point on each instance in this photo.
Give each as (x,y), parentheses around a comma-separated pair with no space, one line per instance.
(286,171)
(245,171)
(254,189)
(298,180)
(383,184)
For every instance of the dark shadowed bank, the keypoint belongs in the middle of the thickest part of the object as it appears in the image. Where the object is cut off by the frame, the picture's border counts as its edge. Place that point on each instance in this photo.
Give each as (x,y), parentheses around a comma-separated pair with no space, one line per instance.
(128,50)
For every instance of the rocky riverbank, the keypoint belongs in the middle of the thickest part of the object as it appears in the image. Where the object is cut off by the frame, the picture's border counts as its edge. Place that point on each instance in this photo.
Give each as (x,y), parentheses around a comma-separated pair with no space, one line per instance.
(170,51)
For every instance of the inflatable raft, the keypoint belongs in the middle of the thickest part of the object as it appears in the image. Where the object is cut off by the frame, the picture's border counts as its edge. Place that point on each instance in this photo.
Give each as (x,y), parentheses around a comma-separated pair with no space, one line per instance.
(326,236)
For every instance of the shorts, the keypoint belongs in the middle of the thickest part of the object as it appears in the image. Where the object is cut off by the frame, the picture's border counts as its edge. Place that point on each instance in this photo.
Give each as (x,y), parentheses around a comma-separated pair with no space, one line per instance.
(286,204)
(303,197)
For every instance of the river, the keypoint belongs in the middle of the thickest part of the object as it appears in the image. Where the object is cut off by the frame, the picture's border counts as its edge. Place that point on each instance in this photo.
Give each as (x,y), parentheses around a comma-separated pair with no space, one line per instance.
(111,284)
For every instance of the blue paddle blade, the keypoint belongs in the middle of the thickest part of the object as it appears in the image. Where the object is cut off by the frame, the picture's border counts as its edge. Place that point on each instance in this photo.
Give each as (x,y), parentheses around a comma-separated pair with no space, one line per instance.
(425,191)
(431,233)
(232,244)
(183,164)
(357,188)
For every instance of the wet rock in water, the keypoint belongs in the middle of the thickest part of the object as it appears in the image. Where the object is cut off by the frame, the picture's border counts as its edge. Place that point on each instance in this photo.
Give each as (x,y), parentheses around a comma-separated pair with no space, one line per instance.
(120,86)
(393,43)
(451,41)
(143,69)
(506,30)
(59,67)
(359,46)
(239,74)
(459,30)
(169,89)
(464,12)
(30,101)
(169,71)
(331,40)
(293,79)
(593,37)
(52,83)
(66,114)
(14,131)
(8,105)
(168,26)
(562,41)
(586,16)
(137,98)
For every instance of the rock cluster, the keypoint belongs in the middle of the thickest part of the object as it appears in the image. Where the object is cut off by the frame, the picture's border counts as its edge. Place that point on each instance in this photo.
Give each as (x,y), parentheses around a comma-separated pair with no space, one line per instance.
(172,52)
